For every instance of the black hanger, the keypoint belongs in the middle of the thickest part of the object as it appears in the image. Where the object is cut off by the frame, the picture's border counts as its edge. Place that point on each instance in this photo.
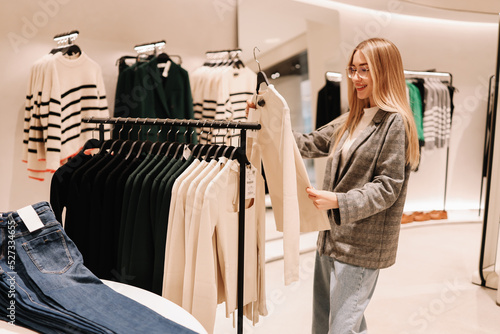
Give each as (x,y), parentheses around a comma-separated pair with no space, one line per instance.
(220,151)
(124,144)
(136,145)
(122,59)
(108,144)
(180,147)
(91,143)
(145,145)
(155,147)
(238,63)
(168,147)
(71,50)
(174,144)
(202,151)
(163,150)
(228,153)
(163,58)
(209,155)
(238,154)
(178,152)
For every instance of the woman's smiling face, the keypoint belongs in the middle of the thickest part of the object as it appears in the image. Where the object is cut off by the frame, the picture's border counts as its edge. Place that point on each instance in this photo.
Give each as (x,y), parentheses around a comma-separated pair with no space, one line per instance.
(361,77)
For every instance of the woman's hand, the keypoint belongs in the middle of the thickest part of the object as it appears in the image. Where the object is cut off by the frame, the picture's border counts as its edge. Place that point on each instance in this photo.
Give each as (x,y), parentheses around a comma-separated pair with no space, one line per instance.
(250,104)
(323,200)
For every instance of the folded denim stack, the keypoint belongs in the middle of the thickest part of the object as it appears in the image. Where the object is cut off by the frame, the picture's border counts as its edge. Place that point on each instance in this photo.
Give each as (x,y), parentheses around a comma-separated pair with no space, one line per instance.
(45,286)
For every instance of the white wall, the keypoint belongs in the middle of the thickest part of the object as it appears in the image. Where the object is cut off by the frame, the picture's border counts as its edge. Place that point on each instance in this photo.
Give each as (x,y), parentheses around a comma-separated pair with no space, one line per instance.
(108,30)
(466,49)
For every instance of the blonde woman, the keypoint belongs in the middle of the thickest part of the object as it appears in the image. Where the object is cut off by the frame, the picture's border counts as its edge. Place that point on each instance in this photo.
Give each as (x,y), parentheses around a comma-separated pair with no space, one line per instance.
(371,151)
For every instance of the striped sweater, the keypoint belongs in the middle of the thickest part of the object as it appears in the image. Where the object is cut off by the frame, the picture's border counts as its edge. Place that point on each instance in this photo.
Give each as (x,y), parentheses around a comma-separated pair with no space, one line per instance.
(220,94)
(60,92)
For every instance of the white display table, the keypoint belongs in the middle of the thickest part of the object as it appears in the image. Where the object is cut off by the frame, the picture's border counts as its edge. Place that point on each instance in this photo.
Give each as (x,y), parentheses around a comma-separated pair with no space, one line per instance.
(158,304)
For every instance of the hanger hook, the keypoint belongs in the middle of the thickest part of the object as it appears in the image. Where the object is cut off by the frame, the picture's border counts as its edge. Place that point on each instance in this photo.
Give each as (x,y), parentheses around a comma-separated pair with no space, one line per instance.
(140,128)
(159,130)
(255,57)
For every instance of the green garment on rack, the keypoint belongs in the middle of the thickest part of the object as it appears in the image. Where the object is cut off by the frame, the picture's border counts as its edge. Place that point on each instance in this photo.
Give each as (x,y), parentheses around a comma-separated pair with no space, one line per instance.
(416,107)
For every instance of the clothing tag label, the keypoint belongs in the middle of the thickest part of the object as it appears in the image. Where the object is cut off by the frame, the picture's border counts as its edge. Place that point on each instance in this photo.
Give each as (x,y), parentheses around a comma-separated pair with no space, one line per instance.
(251,181)
(187,152)
(166,69)
(30,218)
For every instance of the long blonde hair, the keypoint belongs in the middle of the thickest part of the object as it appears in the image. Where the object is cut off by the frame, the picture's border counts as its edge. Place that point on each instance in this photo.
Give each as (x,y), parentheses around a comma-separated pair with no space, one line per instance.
(389,92)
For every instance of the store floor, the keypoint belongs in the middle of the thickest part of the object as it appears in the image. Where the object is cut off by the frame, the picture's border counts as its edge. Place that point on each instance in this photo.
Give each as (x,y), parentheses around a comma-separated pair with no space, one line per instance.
(428,290)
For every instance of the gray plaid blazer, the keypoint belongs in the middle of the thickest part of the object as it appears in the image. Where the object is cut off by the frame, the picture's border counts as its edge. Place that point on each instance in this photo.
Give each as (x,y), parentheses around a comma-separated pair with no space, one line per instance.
(371,190)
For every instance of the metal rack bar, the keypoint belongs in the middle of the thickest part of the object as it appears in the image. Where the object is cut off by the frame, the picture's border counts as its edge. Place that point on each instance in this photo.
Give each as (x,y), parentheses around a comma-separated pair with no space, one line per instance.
(70,36)
(429,74)
(174,121)
(333,76)
(223,51)
(149,46)
(485,147)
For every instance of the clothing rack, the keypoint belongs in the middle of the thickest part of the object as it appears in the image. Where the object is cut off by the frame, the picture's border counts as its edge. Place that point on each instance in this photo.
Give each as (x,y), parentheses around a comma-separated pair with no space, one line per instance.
(243,126)
(153,46)
(143,50)
(226,57)
(67,37)
(333,76)
(223,51)
(445,77)
(430,74)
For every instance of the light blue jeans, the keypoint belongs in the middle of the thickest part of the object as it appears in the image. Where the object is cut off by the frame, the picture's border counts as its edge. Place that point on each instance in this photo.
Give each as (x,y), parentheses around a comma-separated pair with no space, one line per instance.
(340,296)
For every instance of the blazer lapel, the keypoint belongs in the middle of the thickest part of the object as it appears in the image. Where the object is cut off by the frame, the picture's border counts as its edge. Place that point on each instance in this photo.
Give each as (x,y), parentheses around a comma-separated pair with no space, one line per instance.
(155,73)
(362,137)
(336,160)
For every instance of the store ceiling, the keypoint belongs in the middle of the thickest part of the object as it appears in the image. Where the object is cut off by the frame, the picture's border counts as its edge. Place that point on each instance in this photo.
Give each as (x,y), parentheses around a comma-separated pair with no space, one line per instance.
(476,6)
(453,9)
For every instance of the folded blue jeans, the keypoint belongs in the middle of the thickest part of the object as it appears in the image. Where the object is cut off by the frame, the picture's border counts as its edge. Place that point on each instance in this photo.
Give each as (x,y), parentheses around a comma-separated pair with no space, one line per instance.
(30,311)
(52,262)
(31,308)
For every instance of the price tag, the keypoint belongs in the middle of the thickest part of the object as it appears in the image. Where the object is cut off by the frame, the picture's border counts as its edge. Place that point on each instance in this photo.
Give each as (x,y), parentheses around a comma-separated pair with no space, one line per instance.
(166,69)
(251,182)
(187,152)
(30,218)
